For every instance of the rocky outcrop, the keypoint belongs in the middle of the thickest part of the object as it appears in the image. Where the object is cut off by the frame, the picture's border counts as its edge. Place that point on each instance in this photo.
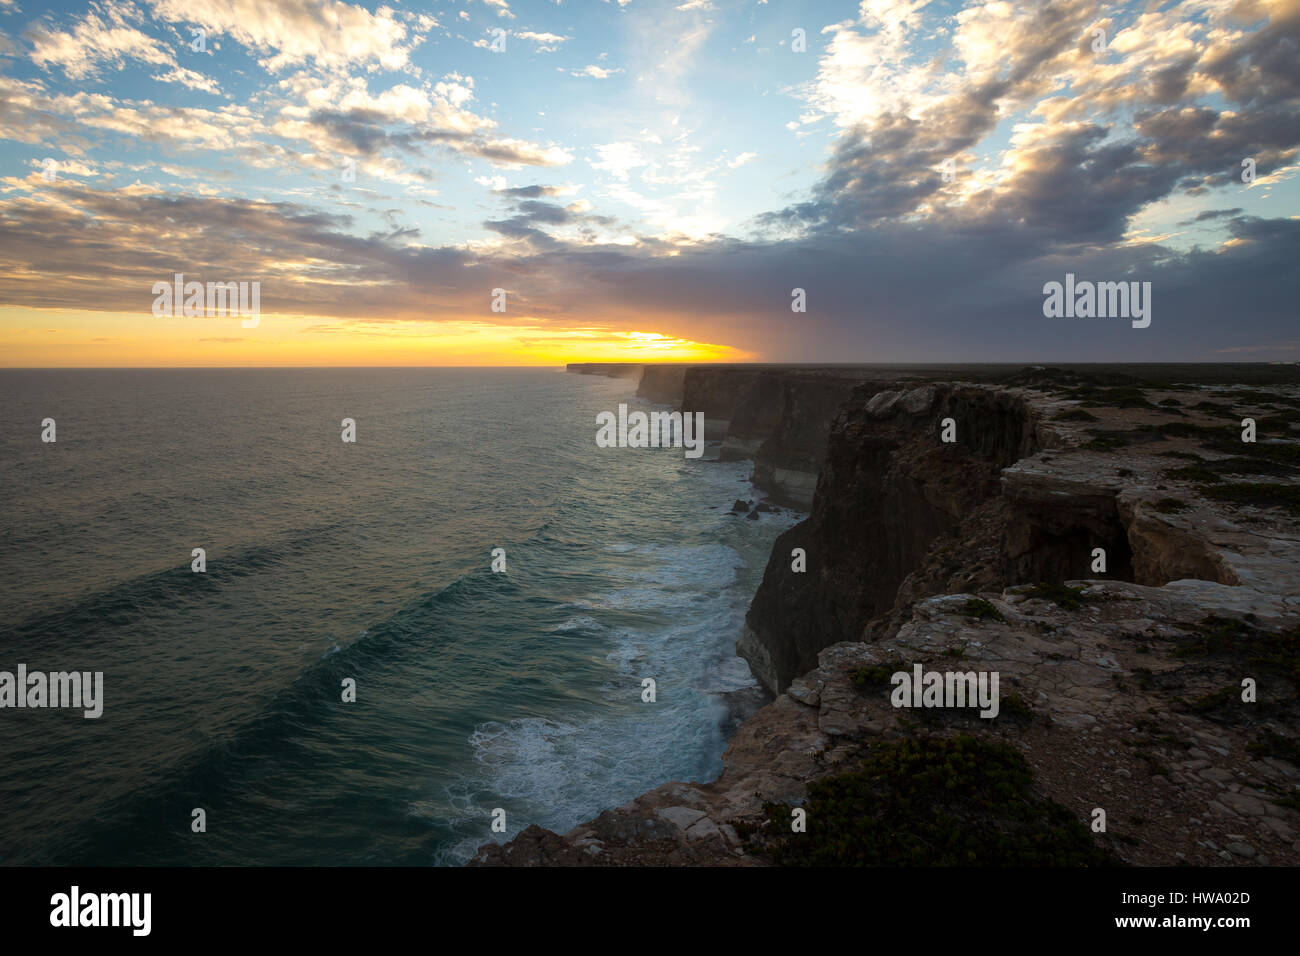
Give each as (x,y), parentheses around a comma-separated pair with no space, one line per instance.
(1107,713)
(1018,497)
(1160,687)
(890,491)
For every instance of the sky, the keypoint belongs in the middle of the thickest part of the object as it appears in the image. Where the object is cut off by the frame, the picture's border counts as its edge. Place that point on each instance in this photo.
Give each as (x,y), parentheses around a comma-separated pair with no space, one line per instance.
(500,182)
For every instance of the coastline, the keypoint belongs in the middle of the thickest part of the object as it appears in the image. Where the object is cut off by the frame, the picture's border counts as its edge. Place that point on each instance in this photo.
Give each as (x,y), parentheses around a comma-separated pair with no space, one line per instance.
(909,535)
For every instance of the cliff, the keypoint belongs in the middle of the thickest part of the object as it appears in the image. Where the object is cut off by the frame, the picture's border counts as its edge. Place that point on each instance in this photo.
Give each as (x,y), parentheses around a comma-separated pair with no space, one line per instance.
(663,384)
(1121,688)
(606,369)
(890,493)
(777,417)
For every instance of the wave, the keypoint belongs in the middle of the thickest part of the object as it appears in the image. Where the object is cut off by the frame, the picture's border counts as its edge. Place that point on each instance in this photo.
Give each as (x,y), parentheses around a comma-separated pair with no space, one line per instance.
(558,772)
(124,604)
(282,732)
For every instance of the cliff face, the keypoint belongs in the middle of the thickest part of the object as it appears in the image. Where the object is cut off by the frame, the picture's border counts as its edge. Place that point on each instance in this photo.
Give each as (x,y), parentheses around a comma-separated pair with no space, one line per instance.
(777,417)
(606,369)
(1122,685)
(783,425)
(889,494)
(662,384)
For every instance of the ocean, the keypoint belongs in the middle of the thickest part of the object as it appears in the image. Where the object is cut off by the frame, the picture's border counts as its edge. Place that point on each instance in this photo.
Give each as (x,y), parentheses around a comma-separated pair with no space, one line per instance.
(370,561)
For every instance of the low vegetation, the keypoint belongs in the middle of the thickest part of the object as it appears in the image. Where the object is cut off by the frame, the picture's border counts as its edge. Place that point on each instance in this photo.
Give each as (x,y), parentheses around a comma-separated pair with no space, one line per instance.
(930,802)
(982,610)
(1059,594)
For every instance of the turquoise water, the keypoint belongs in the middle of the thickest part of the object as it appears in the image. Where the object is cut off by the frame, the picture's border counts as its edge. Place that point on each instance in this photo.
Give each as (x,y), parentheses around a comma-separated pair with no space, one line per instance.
(368,561)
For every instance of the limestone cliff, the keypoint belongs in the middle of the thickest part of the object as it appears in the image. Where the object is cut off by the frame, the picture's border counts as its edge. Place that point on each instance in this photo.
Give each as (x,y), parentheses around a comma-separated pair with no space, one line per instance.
(778,417)
(606,369)
(1121,684)
(662,383)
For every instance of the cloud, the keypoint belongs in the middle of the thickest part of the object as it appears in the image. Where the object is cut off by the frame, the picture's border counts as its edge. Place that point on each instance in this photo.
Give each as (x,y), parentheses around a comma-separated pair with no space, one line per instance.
(106,37)
(1210,214)
(922,293)
(532,192)
(1059,157)
(322,119)
(189,78)
(532,216)
(595,72)
(545,42)
(618,159)
(1071,174)
(287,33)
(501,6)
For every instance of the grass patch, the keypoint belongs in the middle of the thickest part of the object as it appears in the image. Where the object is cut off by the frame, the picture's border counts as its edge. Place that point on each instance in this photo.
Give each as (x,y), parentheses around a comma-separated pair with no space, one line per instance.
(1198,473)
(1272,744)
(1289,799)
(1258,494)
(1251,648)
(932,802)
(1226,439)
(1076,415)
(1060,595)
(982,610)
(1013,705)
(1123,396)
(1170,506)
(877,676)
(1104,440)
(1217,701)
(1212,471)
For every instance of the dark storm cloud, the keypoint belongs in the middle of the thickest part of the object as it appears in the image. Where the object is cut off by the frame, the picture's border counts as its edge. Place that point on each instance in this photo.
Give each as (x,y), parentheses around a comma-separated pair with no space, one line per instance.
(920,292)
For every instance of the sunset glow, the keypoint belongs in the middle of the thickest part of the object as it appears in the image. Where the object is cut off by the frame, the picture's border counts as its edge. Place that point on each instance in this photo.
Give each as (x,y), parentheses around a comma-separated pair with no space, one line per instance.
(534,183)
(53,338)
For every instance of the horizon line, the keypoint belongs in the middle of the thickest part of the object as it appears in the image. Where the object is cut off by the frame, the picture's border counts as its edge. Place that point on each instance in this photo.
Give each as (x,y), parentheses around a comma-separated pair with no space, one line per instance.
(841,364)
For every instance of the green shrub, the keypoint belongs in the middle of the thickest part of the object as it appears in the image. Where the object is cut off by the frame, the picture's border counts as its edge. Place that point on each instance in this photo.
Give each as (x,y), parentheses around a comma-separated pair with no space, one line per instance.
(982,609)
(931,802)
(1060,595)
(866,677)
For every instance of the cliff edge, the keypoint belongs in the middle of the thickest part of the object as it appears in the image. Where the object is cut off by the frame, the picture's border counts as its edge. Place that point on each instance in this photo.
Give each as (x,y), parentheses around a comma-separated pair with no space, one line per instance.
(1117,555)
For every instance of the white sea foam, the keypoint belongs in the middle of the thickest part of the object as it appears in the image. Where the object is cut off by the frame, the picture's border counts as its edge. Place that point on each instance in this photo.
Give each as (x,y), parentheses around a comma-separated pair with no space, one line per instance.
(582,622)
(559,772)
